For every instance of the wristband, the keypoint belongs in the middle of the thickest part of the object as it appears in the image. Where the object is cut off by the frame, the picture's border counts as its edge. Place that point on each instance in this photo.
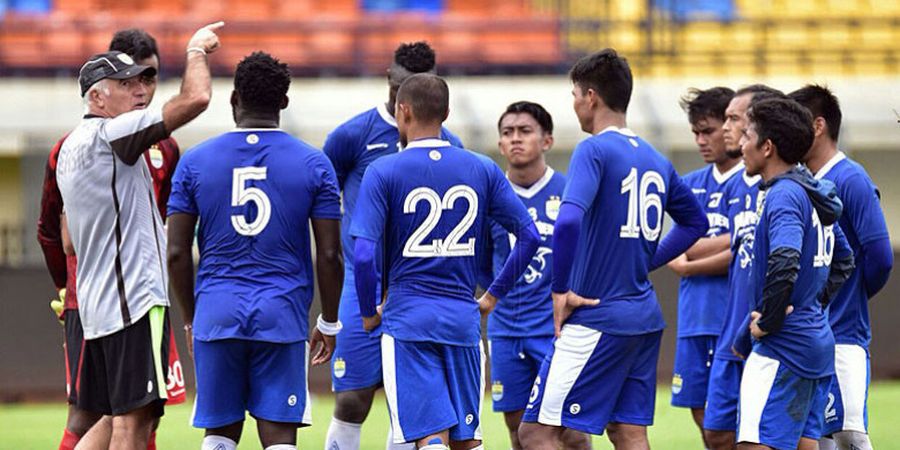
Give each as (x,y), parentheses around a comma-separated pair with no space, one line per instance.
(196,49)
(328,328)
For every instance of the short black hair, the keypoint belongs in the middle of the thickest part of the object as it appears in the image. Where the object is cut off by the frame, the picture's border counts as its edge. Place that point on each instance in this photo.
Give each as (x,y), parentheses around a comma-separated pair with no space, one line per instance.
(261,82)
(416,57)
(135,42)
(540,115)
(606,73)
(427,95)
(760,92)
(821,102)
(787,124)
(701,104)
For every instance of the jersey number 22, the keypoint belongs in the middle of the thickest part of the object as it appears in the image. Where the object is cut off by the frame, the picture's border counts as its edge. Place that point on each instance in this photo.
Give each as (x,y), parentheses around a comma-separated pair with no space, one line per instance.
(449,246)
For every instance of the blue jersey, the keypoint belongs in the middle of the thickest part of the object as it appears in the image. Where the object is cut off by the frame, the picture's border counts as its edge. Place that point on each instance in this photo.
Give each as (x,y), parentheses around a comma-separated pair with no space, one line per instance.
(862,222)
(702,298)
(624,185)
(429,205)
(744,203)
(351,147)
(254,192)
(527,310)
(804,343)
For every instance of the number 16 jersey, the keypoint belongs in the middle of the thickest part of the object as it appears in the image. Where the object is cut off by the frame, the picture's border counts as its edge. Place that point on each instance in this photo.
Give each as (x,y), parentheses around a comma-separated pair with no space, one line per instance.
(254,192)
(429,204)
(624,185)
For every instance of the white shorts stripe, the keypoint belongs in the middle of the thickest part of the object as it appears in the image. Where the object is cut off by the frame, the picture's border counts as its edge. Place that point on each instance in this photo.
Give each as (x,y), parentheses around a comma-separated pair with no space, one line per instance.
(571,353)
(850,366)
(307,409)
(481,388)
(756,385)
(389,376)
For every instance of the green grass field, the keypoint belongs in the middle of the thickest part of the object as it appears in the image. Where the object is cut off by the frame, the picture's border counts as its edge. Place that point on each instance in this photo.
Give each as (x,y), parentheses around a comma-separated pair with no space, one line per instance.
(39,426)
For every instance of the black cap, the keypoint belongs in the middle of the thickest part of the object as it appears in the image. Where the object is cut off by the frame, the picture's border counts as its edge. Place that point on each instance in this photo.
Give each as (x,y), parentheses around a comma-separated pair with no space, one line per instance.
(114,64)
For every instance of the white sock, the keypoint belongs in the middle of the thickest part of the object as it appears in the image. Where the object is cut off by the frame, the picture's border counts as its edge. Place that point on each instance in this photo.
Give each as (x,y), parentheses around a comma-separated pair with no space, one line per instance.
(390,445)
(852,440)
(213,442)
(343,435)
(282,447)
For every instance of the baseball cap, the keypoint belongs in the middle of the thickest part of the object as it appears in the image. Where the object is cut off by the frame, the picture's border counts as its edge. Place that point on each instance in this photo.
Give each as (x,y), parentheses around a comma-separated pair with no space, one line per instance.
(115,65)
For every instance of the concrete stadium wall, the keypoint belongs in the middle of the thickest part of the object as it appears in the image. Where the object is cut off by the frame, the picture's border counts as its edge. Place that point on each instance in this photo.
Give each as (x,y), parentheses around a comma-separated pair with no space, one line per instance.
(32,356)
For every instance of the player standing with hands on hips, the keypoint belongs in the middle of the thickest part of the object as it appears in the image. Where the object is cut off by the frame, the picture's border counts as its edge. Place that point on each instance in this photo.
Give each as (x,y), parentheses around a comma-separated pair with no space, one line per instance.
(118,235)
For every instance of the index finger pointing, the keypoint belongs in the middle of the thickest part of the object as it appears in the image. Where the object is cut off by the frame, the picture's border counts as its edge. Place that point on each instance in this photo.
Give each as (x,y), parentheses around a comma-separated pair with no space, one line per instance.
(215,26)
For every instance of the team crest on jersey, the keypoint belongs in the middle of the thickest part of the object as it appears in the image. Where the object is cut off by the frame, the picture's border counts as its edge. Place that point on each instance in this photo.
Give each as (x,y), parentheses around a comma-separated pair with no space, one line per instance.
(676,384)
(497,391)
(156,156)
(340,367)
(552,207)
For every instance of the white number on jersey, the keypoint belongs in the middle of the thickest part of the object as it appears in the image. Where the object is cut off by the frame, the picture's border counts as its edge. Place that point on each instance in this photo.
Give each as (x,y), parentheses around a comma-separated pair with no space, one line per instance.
(824,242)
(241,194)
(640,201)
(450,246)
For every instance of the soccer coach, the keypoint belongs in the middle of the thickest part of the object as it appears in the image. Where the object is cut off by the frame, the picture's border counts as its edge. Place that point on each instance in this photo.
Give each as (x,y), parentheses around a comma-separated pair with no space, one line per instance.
(118,234)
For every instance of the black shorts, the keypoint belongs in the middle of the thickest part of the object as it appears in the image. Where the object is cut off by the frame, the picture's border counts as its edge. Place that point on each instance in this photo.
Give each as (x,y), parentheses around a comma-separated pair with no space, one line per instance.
(73,345)
(127,369)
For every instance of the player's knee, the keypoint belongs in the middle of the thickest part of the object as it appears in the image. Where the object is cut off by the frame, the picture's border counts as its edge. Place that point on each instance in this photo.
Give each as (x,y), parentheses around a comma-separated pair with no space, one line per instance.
(852,440)
(575,440)
(80,421)
(719,440)
(626,436)
(535,436)
(353,406)
(276,433)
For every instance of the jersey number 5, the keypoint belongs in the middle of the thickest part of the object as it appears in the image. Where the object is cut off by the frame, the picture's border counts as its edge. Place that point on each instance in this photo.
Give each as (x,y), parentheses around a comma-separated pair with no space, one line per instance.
(640,200)
(440,247)
(241,194)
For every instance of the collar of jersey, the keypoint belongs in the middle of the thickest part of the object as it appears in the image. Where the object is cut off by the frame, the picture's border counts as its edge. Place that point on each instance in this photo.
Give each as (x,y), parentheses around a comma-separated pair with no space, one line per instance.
(532,190)
(244,130)
(427,143)
(723,177)
(838,157)
(385,115)
(624,131)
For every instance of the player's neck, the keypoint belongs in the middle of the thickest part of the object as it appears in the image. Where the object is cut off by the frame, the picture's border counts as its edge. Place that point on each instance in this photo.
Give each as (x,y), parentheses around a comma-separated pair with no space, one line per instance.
(528,175)
(774,168)
(257,122)
(728,164)
(606,118)
(819,155)
(417,131)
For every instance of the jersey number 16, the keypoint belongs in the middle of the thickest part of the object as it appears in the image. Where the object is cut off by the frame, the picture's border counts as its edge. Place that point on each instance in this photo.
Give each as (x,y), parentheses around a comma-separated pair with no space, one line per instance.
(640,201)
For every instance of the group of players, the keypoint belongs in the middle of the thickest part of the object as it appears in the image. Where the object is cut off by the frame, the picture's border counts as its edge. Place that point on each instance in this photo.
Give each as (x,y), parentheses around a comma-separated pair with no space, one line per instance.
(769,254)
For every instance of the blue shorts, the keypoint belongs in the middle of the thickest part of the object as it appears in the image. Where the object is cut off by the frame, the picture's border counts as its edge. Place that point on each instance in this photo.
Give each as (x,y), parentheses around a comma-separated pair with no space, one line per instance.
(693,360)
(590,378)
(264,378)
(356,363)
(846,408)
(722,396)
(433,387)
(778,407)
(514,365)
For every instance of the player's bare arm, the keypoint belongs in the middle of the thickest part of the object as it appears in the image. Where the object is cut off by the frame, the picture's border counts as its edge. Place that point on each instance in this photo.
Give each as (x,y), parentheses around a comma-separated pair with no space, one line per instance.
(709,246)
(716,264)
(196,86)
(330,278)
(181,268)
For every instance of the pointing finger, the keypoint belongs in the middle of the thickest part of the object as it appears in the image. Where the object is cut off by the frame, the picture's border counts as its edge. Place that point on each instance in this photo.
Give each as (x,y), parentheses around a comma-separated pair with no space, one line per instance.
(215,26)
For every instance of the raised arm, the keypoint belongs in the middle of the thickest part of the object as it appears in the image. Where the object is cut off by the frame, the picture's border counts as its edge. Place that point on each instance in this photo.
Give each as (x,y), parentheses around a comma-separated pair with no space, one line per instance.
(196,86)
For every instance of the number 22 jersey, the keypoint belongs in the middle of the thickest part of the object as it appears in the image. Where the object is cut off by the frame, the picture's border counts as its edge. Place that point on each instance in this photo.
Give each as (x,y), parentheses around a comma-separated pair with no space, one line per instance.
(429,204)
(254,192)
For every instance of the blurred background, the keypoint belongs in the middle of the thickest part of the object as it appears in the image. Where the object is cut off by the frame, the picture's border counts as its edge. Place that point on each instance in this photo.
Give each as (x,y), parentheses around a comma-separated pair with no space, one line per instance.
(493,52)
